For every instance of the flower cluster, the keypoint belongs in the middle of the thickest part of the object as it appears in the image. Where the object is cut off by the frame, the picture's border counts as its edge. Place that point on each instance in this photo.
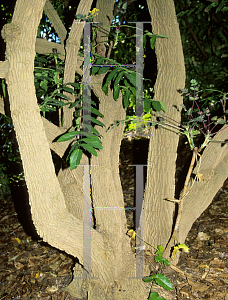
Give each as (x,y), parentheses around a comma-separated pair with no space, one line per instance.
(92,13)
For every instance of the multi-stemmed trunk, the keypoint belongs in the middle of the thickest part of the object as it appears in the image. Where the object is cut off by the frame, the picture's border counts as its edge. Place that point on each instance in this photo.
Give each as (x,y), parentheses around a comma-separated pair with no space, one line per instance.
(57,202)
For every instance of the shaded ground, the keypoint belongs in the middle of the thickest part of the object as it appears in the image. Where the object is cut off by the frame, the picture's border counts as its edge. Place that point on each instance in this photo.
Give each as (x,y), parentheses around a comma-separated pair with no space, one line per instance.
(30,269)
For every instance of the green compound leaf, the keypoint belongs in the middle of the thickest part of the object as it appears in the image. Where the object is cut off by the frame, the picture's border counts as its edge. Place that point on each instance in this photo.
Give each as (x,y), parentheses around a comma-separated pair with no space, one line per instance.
(148,279)
(160,248)
(159,258)
(91,131)
(133,90)
(56,77)
(44,85)
(162,36)
(162,260)
(166,262)
(75,103)
(60,95)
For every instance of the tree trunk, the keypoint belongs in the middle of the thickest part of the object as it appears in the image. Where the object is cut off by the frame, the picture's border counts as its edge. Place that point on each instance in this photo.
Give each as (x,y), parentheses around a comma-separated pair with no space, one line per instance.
(58,219)
(52,220)
(49,212)
(163,144)
(213,166)
(72,48)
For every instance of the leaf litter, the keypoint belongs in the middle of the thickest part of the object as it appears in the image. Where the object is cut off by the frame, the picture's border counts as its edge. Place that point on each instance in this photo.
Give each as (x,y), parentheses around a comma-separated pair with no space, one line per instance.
(30,269)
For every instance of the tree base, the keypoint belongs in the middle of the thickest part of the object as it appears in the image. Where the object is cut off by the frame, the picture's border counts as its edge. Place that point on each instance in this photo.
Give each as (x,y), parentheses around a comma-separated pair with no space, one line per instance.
(127,288)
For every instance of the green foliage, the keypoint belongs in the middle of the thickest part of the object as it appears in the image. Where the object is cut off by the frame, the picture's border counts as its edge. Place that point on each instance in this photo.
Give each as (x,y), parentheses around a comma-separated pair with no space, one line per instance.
(159,256)
(159,278)
(155,296)
(4,181)
(86,141)
(153,38)
(8,157)
(50,94)
(120,7)
(203,27)
(85,138)
(202,121)
(123,79)
(144,121)
(49,83)
(120,78)
(6,12)
(88,18)
(197,120)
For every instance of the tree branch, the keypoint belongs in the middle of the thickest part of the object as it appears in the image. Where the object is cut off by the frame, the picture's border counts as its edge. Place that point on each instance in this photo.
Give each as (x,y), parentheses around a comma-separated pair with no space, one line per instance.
(55,21)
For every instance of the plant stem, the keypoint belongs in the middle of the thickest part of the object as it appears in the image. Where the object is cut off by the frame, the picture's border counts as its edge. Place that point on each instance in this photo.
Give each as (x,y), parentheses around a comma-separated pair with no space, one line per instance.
(181,203)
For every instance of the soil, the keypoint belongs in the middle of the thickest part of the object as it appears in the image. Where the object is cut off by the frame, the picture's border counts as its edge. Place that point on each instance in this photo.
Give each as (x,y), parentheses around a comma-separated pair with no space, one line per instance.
(31,269)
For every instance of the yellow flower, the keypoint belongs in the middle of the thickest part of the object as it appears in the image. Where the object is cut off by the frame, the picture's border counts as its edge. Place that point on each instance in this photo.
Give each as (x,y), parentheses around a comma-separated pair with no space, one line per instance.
(178,247)
(93,13)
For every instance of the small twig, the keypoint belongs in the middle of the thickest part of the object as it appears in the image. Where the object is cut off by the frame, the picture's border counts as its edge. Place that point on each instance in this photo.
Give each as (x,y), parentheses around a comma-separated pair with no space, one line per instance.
(176,269)
(146,242)
(171,125)
(168,128)
(174,200)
